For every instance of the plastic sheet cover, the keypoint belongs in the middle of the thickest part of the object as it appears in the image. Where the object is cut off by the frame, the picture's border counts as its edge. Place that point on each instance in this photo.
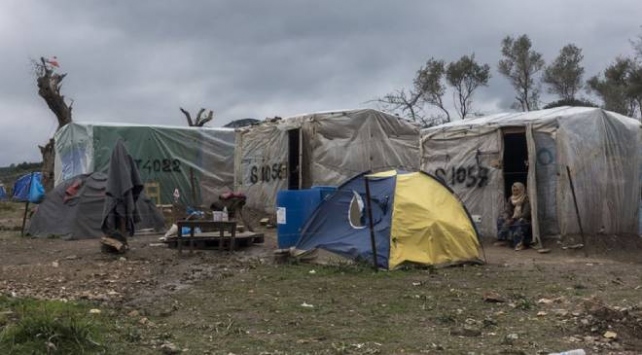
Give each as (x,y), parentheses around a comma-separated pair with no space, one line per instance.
(199,162)
(334,146)
(600,148)
(470,167)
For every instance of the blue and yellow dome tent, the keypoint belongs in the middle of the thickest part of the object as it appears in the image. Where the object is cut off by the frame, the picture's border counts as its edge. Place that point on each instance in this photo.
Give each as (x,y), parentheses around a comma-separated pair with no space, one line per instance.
(416,219)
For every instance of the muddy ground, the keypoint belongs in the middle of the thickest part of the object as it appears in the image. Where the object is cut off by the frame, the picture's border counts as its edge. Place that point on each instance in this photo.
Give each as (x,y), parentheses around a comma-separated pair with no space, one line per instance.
(150,277)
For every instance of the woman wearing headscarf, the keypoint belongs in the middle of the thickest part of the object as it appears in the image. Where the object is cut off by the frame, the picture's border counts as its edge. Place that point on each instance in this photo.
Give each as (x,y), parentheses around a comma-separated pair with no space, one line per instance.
(514,226)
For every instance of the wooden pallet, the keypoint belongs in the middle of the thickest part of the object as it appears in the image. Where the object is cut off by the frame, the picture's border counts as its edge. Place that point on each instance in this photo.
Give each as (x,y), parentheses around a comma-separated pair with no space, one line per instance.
(213,240)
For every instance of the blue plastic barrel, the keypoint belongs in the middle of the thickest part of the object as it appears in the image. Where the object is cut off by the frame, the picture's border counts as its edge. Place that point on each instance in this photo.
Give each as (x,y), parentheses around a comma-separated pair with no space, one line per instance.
(293,207)
(325,191)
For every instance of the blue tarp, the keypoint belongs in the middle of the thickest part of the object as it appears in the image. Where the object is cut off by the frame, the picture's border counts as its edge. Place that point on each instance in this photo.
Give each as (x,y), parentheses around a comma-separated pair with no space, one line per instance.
(3,193)
(29,188)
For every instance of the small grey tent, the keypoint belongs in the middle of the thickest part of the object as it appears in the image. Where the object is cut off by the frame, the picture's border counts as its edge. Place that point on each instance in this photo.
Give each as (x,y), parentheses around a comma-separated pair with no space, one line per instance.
(74,210)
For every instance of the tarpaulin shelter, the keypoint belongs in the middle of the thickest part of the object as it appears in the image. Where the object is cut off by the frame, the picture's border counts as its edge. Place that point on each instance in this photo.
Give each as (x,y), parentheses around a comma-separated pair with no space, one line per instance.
(28,188)
(416,219)
(198,161)
(480,158)
(323,149)
(74,210)
(3,192)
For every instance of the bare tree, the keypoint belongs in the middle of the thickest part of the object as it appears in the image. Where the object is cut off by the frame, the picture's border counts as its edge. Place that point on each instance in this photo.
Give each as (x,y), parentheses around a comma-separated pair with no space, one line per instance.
(465,75)
(520,64)
(49,84)
(406,103)
(200,121)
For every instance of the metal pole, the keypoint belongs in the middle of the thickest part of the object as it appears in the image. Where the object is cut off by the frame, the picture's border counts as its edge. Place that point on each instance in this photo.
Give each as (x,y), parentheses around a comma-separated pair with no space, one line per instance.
(371,226)
(577,210)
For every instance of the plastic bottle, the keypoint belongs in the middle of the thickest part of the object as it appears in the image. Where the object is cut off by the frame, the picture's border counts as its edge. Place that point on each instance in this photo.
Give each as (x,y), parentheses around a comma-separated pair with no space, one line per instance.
(571,352)
(226,218)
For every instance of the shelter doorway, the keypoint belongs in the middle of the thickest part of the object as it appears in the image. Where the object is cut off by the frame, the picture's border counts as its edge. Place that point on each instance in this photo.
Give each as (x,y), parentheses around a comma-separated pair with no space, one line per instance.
(515,158)
(294,159)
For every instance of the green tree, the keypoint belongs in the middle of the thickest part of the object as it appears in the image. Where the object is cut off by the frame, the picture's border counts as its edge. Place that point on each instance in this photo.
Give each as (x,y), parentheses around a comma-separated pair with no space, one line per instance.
(429,87)
(465,76)
(637,46)
(564,75)
(619,86)
(519,65)
(429,84)
(571,102)
(635,86)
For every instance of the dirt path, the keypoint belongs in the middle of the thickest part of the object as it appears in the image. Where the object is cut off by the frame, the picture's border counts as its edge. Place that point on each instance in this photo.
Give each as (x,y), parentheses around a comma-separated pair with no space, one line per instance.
(55,269)
(59,269)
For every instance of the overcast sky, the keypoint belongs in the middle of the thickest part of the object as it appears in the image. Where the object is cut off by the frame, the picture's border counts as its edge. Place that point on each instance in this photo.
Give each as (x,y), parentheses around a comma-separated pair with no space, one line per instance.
(139,61)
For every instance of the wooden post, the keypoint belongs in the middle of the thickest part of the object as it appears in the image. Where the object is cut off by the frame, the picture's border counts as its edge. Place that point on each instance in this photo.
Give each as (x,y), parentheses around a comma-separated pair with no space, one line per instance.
(577,210)
(24,217)
(191,183)
(371,226)
(24,220)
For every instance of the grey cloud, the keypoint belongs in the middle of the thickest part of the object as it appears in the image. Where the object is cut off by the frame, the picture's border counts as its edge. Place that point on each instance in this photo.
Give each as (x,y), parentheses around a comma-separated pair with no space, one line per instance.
(138,61)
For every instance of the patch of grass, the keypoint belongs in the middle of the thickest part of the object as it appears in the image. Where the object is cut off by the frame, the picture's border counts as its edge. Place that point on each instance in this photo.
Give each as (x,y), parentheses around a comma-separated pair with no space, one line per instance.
(348,308)
(50,327)
(29,326)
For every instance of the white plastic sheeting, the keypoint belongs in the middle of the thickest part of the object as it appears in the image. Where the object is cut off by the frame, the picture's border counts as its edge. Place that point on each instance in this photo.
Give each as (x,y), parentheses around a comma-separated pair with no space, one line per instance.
(601,149)
(333,146)
(199,162)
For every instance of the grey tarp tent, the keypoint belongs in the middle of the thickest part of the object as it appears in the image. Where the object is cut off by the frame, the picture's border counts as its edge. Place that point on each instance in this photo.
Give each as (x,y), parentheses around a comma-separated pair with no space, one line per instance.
(479,159)
(323,148)
(74,210)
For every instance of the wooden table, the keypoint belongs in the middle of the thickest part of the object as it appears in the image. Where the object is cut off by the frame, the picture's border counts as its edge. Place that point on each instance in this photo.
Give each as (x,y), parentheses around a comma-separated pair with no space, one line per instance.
(192,224)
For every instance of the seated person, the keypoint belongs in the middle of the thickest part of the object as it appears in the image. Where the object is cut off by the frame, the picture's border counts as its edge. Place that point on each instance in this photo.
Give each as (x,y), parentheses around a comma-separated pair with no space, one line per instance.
(514,226)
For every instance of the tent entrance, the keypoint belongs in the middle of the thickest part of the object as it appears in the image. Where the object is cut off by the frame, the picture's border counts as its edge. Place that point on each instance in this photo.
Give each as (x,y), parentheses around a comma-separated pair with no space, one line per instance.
(294,159)
(515,158)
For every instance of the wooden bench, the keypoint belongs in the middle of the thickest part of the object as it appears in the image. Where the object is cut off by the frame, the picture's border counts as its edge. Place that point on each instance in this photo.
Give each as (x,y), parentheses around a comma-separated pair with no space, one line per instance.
(221,227)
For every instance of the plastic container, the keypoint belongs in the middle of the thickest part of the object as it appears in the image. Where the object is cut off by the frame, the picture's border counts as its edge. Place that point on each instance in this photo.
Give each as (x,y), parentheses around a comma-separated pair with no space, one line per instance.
(293,208)
(217,216)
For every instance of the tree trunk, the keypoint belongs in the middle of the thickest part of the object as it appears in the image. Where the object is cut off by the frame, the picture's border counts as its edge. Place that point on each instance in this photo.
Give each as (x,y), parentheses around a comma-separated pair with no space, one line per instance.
(200,121)
(48,158)
(49,84)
